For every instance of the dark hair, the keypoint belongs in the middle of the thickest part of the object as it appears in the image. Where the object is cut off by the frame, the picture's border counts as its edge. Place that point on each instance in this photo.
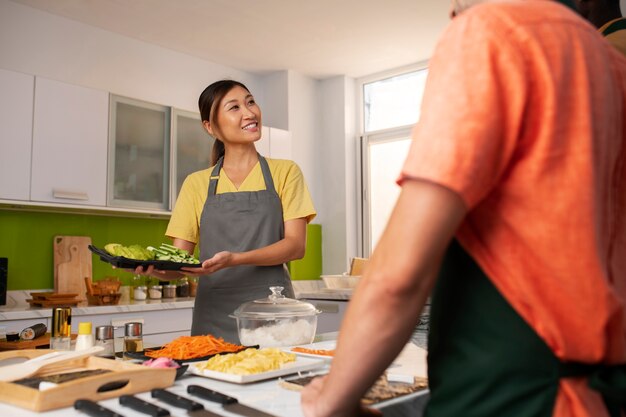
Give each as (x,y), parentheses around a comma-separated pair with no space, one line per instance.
(208,102)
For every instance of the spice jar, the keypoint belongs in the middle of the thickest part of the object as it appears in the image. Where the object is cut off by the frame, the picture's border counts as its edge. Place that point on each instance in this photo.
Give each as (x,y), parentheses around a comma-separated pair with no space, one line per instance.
(104,338)
(60,333)
(169,291)
(193,286)
(133,339)
(155,292)
(182,289)
(140,292)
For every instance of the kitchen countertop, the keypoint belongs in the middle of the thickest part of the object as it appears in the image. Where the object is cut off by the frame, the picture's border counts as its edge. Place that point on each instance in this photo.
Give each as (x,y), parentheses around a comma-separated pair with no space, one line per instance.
(18,309)
(267,396)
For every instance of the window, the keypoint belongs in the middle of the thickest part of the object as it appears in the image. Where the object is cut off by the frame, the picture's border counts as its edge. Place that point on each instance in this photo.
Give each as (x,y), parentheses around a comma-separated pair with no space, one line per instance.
(391,106)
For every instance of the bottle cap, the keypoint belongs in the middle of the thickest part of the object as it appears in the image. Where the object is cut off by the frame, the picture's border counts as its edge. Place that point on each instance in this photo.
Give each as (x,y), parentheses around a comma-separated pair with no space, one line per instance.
(104,332)
(84,327)
(132,329)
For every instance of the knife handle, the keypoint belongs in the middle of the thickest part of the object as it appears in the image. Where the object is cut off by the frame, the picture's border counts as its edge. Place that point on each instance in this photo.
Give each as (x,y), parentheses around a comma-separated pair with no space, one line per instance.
(142,406)
(176,400)
(94,409)
(209,394)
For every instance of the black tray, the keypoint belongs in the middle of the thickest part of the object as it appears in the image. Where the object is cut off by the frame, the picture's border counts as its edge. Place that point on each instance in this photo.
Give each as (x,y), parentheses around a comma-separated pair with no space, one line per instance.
(142,356)
(126,263)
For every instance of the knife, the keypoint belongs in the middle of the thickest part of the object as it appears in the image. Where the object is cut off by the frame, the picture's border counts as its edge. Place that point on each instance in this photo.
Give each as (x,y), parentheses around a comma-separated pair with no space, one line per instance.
(94,409)
(228,403)
(193,408)
(142,406)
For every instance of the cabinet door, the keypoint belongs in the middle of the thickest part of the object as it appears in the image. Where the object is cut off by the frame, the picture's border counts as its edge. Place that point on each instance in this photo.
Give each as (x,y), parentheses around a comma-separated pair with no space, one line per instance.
(191,146)
(16,134)
(69,157)
(139,154)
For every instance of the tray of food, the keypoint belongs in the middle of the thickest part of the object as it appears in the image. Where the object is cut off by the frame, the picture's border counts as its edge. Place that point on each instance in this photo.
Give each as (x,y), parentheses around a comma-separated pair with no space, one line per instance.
(252,365)
(91,377)
(165,257)
(186,349)
(324,349)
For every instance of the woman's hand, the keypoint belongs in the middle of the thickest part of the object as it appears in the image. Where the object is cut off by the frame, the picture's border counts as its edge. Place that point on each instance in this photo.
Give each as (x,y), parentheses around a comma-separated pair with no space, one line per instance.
(219,261)
(158,273)
(314,405)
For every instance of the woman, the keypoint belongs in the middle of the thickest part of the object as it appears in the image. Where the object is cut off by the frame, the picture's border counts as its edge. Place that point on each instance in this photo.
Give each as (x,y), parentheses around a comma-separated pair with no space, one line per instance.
(247,213)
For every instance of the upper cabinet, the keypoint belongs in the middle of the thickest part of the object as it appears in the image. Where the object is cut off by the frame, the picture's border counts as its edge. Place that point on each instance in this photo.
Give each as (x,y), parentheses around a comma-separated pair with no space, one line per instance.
(191,146)
(16,121)
(69,144)
(139,154)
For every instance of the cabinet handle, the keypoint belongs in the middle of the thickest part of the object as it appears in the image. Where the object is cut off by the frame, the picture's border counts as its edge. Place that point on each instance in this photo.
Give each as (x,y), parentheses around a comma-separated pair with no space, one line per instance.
(69,195)
(327,307)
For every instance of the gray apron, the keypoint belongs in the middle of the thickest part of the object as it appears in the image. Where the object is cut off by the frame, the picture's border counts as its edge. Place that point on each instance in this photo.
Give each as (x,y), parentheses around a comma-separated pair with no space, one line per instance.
(237,222)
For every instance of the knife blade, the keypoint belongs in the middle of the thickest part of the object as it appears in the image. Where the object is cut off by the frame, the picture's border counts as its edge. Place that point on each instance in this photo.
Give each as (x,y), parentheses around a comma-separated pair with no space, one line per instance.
(193,408)
(94,409)
(142,406)
(228,403)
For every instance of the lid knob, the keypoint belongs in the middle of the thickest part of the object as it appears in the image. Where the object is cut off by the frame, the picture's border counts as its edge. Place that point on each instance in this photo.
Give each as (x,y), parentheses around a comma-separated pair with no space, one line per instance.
(276,293)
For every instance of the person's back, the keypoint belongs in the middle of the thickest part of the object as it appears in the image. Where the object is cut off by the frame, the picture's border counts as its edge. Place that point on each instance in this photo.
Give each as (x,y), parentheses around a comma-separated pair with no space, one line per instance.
(523,117)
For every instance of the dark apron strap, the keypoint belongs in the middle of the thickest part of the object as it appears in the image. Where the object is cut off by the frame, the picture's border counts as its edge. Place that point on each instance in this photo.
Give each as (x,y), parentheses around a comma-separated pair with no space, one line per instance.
(484,360)
(614,27)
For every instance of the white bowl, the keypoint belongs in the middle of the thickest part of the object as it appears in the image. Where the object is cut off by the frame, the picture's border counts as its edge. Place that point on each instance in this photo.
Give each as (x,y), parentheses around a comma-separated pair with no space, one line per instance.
(336,282)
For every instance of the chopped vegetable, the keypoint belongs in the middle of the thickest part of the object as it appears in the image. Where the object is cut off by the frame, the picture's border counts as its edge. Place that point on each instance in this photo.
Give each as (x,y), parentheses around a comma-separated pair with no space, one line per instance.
(167,252)
(322,352)
(192,347)
(130,252)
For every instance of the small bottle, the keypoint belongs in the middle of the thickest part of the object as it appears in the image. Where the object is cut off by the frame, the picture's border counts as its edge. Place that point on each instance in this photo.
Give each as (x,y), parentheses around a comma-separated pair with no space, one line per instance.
(60,333)
(140,293)
(155,292)
(105,338)
(182,290)
(85,338)
(137,281)
(193,286)
(169,291)
(133,339)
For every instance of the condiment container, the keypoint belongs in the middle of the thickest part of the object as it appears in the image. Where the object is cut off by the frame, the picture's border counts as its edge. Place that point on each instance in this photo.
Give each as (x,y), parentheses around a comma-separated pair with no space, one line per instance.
(276,321)
(60,333)
(169,291)
(193,286)
(140,293)
(85,337)
(155,291)
(133,339)
(182,289)
(105,338)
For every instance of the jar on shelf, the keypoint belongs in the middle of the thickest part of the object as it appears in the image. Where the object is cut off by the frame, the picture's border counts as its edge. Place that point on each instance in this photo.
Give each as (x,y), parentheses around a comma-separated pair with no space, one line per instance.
(169,291)
(155,292)
(182,289)
(140,293)
(193,286)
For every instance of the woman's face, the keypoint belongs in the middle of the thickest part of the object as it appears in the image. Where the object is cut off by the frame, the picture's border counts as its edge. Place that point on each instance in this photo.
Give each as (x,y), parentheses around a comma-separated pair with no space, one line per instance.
(238,117)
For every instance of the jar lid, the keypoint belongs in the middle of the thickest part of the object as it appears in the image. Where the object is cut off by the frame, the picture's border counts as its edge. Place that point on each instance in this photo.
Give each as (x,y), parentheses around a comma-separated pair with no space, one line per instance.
(104,332)
(170,286)
(132,329)
(156,287)
(275,305)
(141,287)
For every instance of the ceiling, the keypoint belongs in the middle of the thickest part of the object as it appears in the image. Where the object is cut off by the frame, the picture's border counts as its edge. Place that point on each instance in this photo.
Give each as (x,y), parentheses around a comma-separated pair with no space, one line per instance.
(318,38)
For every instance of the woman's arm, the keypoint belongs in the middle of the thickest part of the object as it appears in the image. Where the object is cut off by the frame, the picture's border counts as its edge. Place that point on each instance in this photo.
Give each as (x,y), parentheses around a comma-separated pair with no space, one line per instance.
(287,249)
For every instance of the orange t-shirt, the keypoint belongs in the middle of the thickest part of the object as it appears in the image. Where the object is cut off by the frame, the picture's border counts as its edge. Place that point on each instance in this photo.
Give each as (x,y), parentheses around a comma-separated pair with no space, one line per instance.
(523,116)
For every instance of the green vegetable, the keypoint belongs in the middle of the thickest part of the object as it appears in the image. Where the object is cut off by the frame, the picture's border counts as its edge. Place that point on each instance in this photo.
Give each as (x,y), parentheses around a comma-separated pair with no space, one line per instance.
(131,252)
(167,252)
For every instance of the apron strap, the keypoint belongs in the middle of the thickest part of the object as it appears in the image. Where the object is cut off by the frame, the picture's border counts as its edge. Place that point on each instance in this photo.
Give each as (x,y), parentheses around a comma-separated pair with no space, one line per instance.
(617,25)
(267,175)
(215,176)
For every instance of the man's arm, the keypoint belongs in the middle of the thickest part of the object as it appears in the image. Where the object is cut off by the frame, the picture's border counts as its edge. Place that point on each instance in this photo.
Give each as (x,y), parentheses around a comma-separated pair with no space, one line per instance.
(386,305)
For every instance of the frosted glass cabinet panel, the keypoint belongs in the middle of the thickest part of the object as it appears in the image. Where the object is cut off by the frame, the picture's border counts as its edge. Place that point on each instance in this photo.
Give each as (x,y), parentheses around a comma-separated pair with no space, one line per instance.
(139,154)
(191,146)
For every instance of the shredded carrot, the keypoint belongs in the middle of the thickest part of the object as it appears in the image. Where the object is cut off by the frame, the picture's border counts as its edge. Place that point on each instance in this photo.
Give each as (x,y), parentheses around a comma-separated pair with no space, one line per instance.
(322,352)
(192,347)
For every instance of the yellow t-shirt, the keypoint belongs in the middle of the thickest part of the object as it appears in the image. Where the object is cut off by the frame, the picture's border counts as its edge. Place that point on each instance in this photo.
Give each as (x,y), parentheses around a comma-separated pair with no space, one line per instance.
(288,181)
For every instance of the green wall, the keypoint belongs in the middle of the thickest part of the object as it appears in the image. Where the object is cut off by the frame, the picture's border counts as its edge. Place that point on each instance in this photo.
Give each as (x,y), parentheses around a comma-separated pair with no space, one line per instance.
(26,240)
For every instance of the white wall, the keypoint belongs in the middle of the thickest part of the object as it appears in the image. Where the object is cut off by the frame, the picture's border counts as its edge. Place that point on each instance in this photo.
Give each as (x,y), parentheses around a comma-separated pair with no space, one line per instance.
(43,44)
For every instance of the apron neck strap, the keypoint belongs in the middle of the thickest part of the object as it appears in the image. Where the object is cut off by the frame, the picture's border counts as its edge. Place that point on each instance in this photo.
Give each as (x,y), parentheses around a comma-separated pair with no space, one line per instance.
(215,176)
(265,169)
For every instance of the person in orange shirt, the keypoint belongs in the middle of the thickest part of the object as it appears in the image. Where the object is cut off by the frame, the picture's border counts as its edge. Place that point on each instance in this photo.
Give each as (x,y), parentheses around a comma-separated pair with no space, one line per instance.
(606,15)
(513,208)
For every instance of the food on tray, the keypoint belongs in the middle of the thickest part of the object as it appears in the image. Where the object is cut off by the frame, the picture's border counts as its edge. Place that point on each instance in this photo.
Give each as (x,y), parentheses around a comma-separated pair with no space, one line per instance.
(165,252)
(192,347)
(250,361)
(161,363)
(322,352)
(130,252)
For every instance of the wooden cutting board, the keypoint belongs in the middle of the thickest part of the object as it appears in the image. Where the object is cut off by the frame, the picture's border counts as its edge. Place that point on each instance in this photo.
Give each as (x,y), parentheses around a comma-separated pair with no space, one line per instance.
(72,263)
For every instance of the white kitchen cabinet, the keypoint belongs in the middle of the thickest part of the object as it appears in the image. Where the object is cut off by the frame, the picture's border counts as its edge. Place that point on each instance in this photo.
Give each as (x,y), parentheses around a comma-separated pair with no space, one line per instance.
(191,148)
(70,126)
(139,155)
(331,316)
(275,143)
(16,118)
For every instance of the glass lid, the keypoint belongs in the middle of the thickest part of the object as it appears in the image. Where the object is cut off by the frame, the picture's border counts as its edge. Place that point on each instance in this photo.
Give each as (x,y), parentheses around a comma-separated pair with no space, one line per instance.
(275,305)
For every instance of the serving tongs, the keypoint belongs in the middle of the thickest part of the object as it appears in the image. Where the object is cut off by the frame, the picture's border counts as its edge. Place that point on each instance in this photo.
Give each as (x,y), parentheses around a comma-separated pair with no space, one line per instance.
(45,362)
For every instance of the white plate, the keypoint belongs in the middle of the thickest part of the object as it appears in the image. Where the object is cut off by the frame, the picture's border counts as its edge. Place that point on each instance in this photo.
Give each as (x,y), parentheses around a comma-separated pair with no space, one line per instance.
(327,345)
(300,365)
